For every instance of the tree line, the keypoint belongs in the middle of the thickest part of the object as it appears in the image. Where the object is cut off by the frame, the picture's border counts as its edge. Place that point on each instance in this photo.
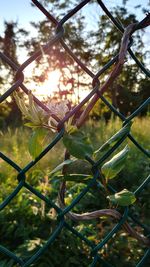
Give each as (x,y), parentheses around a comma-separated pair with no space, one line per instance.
(93,47)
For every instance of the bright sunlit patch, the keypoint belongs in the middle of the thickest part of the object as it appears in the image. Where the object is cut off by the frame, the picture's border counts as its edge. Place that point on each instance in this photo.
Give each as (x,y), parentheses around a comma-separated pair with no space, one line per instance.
(50,85)
(55,85)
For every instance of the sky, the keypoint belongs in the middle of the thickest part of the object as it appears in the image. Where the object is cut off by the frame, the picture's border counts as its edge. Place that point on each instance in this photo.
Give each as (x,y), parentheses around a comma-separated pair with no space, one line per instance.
(19,10)
(23,12)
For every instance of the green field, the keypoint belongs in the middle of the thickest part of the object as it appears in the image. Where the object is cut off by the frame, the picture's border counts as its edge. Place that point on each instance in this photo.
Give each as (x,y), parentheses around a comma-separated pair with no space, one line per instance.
(27,222)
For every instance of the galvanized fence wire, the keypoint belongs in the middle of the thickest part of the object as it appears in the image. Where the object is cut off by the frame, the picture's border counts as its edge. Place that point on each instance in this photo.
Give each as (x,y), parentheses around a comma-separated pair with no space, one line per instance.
(63,212)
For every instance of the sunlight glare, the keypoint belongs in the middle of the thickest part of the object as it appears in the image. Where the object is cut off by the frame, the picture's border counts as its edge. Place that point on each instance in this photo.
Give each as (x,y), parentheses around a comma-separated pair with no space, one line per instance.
(50,85)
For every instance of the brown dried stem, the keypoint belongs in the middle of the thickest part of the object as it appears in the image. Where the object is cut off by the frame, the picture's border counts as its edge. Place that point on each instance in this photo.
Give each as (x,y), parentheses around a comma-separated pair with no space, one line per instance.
(99,213)
(113,75)
(117,68)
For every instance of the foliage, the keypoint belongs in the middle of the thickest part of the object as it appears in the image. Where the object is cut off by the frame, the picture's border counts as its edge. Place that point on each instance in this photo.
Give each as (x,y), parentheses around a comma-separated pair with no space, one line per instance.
(10,43)
(123,198)
(94,48)
(112,167)
(76,143)
(35,221)
(30,222)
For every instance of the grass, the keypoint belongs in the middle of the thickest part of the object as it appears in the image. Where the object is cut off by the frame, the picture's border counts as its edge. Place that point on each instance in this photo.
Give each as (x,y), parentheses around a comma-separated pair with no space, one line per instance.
(14,144)
(28,228)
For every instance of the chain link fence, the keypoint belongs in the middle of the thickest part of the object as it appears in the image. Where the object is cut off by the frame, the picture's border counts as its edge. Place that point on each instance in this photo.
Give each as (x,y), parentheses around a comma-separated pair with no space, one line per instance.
(63,212)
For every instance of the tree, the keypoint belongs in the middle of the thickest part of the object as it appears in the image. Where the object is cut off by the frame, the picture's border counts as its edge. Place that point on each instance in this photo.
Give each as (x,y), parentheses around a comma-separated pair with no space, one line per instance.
(126,93)
(9,45)
(106,46)
(56,57)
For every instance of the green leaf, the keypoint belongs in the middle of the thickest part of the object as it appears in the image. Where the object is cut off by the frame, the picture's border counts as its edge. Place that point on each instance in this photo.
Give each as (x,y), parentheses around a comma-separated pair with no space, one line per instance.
(78,144)
(33,109)
(61,165)
(112,167)
(75,177)
(79,166)
(34,113)
(122,198)
(37,142)
(31,125)
(115,138)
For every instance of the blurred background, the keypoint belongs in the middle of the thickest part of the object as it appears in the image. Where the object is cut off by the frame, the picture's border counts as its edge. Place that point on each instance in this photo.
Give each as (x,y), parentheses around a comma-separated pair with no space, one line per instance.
(27,222)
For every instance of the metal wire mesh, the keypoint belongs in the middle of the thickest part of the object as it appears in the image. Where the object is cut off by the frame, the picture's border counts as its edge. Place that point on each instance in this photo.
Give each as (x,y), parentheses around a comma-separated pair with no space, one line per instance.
(97,91)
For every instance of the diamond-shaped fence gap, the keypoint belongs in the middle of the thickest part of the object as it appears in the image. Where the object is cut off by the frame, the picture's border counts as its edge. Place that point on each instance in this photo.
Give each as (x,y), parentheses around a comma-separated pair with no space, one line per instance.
(140,224)
(38,178)
(88,200)
(9,74)
(127,244)
(142,37)
(125,93)
(6,195)
(73,82)
(103,130)
(141,136)
(131,179)
(12,142)
(141,163)
(47,150)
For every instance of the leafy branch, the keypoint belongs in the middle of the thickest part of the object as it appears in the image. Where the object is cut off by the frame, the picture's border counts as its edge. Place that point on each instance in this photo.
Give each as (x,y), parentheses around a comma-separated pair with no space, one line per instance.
(78,145)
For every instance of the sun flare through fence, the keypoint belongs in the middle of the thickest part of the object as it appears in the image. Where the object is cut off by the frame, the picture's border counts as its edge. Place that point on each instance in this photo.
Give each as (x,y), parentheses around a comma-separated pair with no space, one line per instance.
(66,217)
